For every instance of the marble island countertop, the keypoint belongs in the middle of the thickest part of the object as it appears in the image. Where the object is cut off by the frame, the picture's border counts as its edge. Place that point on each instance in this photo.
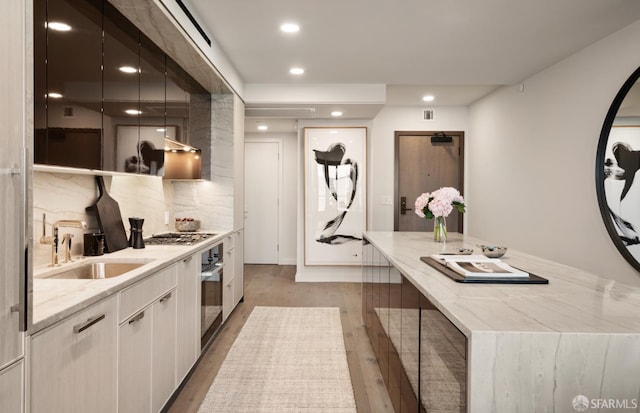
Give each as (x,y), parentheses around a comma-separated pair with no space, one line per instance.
(54,299)
(573,301)
(530,347)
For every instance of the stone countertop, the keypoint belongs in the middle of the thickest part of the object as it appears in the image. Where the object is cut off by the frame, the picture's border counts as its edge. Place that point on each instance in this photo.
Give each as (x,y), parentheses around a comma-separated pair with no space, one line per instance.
(56,299)
(574,301)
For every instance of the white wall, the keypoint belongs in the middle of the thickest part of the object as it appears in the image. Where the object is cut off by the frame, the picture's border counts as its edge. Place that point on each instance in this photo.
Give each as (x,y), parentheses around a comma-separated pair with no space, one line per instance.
(531,159)
(381,156)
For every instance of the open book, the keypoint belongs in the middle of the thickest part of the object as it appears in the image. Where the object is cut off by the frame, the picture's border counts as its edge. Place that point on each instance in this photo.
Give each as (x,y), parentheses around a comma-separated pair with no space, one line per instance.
(479,266)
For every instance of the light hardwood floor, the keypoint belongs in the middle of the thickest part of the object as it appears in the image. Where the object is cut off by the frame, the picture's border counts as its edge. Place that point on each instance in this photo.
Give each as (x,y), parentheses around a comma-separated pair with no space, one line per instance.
(272,285)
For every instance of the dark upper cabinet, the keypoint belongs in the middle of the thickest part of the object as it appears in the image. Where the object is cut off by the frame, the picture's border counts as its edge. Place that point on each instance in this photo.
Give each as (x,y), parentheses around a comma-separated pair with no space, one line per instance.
(106,97)
(121,89)
(68,83)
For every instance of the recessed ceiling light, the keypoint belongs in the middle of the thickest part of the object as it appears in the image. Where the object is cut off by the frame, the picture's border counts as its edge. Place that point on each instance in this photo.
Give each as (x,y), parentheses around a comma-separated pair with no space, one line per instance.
(296,70)
(127,69)
(290,28)
(133,112)
(263,127)
(336,113)
(55,95)
(161,130)
(58,26)
(428,98)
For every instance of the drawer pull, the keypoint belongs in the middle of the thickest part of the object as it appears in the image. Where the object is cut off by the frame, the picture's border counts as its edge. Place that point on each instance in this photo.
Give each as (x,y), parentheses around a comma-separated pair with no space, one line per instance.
(137,317)
(90,321)
(165,298)
(188,259)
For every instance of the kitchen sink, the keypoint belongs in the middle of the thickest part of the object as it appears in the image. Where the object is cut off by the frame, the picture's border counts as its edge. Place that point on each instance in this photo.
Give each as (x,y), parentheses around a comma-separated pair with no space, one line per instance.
(97,270)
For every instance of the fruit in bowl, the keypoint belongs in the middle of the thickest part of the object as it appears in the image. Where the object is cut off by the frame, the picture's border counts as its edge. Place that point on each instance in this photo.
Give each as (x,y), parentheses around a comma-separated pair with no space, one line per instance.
(187,224)
(493,251)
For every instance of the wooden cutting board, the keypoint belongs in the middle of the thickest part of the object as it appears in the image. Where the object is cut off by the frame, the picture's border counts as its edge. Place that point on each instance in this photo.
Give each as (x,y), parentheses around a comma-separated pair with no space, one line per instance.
(109,219)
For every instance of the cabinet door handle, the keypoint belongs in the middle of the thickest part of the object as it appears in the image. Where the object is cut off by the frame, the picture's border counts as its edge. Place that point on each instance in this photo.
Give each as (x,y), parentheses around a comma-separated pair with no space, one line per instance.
(188,259)
(165,298)
(79,328)
(137,317)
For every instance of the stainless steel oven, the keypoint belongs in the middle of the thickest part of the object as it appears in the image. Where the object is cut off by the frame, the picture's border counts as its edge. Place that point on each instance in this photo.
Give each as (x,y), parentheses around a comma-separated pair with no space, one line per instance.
(211,293)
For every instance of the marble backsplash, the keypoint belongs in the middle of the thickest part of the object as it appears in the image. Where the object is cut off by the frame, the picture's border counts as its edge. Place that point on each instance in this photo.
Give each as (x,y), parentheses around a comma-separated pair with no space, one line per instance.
(66,195)
(210,202)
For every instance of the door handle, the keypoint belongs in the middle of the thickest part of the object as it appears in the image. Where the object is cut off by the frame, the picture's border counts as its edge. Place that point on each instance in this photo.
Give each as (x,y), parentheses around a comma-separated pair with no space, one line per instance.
(403,206)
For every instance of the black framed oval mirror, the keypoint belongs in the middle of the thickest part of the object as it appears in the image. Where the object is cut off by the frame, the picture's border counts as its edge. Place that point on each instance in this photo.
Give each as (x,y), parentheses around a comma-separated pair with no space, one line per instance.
(617,164)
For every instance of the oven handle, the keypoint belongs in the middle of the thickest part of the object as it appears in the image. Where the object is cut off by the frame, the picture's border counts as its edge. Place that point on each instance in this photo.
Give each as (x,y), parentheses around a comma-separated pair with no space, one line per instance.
(209,276)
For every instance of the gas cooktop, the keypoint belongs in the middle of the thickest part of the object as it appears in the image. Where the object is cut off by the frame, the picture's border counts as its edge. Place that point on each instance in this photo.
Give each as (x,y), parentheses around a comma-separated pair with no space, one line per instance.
(178,238)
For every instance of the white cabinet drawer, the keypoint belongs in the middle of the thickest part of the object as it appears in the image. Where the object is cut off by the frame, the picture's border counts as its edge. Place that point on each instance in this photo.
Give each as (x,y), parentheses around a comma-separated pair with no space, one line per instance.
(74,363)
(144,292)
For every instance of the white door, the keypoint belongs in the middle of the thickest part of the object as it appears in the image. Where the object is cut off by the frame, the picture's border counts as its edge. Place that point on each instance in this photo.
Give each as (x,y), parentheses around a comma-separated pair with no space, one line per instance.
(261,198)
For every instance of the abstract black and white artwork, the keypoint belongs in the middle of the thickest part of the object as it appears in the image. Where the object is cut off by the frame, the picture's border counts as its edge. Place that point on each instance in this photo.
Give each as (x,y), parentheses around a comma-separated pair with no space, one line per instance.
(335,195)
(622,190)
(617,165)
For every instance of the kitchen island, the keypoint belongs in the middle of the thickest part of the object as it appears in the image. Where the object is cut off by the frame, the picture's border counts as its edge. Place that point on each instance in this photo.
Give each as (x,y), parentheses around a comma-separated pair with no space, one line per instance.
(497,347)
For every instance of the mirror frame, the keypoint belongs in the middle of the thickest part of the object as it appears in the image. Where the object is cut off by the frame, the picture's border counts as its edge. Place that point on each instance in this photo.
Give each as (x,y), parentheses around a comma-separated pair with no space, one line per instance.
(600,169)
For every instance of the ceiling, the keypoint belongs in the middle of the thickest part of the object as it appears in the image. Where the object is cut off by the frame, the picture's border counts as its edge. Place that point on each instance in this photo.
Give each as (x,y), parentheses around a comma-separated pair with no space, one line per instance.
(456,50)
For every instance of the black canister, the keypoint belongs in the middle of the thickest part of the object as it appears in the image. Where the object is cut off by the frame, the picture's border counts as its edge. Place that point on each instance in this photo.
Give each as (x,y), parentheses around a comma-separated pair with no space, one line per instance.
(93,244)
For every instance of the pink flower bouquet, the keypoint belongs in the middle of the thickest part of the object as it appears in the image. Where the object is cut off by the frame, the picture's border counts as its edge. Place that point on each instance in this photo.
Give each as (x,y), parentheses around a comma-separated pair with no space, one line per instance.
(439,203)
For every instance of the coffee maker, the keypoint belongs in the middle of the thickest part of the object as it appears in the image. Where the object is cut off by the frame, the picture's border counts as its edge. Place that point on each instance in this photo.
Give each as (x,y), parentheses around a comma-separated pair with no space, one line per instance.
(135,236)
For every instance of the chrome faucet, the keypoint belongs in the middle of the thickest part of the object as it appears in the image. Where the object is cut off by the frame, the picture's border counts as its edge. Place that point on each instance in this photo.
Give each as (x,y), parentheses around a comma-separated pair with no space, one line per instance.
(53,239)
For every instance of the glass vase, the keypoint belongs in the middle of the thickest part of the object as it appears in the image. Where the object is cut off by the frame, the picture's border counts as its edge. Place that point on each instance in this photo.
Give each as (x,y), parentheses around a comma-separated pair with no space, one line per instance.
(439,229)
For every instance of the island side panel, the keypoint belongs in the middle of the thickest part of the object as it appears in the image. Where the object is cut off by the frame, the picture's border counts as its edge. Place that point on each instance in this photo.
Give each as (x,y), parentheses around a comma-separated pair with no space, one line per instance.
(541,372)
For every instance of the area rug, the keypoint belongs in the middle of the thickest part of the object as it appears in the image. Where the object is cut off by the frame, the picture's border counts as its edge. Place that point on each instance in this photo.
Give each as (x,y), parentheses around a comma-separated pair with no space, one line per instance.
(285,360)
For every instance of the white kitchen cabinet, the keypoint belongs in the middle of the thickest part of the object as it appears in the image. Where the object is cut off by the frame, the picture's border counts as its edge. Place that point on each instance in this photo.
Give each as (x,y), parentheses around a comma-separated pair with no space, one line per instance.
(188,314)
(233,278)
(12,388)
(147,343)
(15,110)
(228,277)
(134,363)
(238,266)
(163,350)
(73,363)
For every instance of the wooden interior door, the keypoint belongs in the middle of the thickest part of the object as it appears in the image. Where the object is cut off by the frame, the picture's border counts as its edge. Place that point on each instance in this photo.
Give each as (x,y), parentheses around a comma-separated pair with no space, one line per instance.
(426,161)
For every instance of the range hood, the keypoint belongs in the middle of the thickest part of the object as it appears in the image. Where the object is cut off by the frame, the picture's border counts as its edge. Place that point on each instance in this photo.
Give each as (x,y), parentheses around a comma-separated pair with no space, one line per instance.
(181,161)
